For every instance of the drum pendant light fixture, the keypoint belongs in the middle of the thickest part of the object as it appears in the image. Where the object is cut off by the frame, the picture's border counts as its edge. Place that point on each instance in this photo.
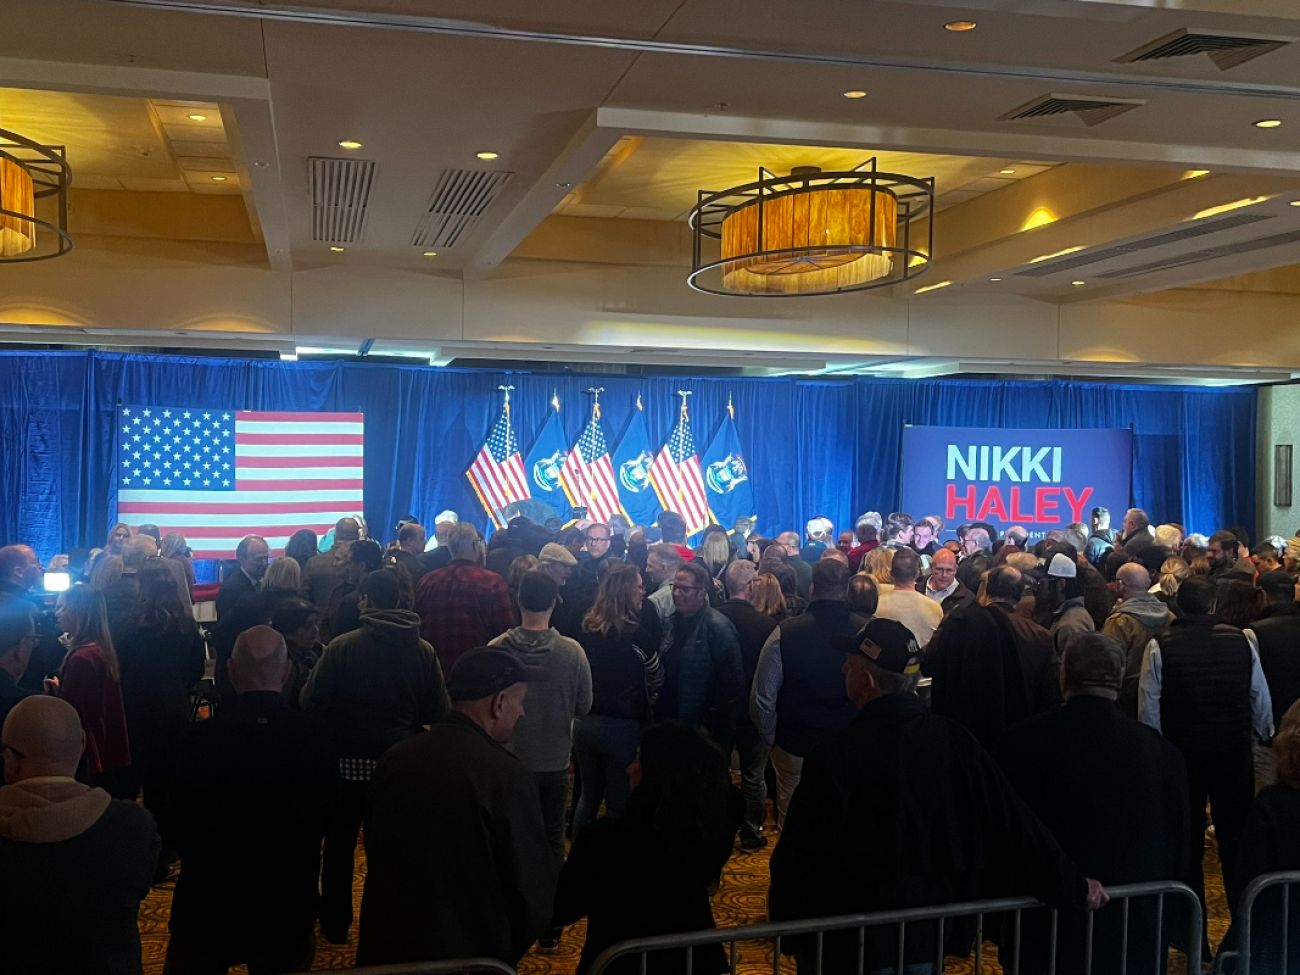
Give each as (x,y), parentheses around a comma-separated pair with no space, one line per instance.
(29,172)
(812,233)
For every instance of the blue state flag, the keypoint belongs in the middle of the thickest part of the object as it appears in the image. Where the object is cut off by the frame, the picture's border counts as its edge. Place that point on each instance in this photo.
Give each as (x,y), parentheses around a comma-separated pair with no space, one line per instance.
(632,459)
(726,475)
(544,463)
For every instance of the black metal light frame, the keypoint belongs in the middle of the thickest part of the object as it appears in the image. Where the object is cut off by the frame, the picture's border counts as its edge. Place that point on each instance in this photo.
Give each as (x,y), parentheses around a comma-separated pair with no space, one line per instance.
(914,195)
(51,176)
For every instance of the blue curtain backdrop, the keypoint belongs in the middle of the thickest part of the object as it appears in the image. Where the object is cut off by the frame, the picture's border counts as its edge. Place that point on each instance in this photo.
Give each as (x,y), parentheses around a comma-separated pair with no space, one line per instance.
(815,446)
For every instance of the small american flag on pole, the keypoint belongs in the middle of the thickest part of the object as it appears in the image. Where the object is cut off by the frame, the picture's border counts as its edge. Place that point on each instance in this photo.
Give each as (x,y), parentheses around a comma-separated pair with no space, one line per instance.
(588,473)
(497,474)
(676,475)
(218,475)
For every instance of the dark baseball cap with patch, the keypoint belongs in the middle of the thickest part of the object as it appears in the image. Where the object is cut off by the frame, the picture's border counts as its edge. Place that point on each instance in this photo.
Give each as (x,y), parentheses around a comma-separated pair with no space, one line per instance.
(886,643)
(485,671)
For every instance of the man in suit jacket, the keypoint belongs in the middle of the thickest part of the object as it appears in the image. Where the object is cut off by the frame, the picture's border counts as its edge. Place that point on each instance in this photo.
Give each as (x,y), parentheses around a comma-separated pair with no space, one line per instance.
(253,556)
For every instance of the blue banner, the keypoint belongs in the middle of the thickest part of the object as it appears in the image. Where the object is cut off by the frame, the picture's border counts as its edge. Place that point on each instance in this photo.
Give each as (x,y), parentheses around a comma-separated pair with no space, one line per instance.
(632,459)
(543,465)
(1040,479)
(726,475)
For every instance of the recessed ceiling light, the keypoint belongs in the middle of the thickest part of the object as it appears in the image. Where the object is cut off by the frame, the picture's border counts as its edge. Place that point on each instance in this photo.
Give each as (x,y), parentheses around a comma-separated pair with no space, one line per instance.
(1078,284)
(336,249)
(1294,203)
(487,154)
(196,117)
(218,179)
(349,144)
(1268,123)
(995,279)
(854,93)
(960,26)
(1007,172)
(430,253)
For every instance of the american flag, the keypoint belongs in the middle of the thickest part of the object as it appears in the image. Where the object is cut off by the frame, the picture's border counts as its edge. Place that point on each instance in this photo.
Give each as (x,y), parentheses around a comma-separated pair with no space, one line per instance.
(218,475)
(588,473)
(497,474)
(677,478)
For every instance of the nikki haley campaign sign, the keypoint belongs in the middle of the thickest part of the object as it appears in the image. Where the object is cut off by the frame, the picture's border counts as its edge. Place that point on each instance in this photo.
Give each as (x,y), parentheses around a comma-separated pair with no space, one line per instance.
(1041,479)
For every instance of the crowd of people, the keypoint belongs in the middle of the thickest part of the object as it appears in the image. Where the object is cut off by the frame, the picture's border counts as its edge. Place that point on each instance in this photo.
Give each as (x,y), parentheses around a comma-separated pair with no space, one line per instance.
(540,727)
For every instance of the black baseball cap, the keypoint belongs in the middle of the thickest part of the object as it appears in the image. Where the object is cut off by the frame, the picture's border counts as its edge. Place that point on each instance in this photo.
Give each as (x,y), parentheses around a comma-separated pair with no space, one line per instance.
(886,643)
(1276,581)
(485,671)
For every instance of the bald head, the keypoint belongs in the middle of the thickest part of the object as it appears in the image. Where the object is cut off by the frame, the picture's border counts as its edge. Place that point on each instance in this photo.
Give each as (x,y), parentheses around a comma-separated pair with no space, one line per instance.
(1131,579)
(260,661)
(43,737)
(347,530)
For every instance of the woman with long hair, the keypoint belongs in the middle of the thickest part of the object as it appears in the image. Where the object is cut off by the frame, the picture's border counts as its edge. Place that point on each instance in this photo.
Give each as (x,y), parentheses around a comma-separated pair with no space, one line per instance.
(765,595)
(1173,573)
(161,656)
(649,872)
(879,564)
(302,546)
(622,645)
(89,680)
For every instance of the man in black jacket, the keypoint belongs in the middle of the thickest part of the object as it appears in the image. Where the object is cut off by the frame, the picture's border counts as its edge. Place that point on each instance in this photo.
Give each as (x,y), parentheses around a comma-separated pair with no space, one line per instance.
(373,687)
(752,628)
(1278,634)
(905,809)
(798,698)
(1202,687)
(20,574)
(459,865)
(253,556)
(251,789)
(1113,793)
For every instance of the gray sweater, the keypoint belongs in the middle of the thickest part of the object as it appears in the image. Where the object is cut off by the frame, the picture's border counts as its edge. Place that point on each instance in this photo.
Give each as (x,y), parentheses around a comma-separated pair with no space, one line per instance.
(543,737)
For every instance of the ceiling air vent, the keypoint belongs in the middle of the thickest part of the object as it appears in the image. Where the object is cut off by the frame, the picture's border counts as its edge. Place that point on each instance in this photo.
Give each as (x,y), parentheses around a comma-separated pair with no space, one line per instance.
(1226,50)
(1201,228)
(340,190)
(1208,254)
(1088,109)
(459,199)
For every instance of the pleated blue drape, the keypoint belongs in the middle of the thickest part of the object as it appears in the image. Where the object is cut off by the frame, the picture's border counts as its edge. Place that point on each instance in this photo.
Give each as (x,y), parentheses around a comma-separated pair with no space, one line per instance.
(814,446)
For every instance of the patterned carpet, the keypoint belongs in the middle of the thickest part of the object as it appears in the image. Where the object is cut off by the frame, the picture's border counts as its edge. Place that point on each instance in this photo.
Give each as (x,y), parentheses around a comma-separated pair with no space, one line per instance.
(742,899)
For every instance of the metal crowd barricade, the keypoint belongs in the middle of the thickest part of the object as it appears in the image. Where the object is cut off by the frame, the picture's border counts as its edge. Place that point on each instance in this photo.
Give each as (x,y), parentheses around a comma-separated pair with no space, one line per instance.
(1275,944)
(1121,897)
(455,966)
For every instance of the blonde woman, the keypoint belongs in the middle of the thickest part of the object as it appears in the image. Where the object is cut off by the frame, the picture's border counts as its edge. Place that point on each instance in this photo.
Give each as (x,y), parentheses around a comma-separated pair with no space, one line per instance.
(89,680)
(284,575)
(879,564)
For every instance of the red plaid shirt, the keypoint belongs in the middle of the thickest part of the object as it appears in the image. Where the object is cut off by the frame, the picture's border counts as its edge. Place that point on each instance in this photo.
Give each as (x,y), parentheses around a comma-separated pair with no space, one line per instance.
(462,606)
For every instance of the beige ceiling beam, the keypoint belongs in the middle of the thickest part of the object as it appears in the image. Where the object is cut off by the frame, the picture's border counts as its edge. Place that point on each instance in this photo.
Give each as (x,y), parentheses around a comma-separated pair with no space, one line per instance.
(1004,143)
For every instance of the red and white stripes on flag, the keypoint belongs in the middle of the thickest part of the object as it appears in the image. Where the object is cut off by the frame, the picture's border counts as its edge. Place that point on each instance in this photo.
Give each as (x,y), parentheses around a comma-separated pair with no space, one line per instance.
(677,478)
(588,473)
(497,474)
(216,476)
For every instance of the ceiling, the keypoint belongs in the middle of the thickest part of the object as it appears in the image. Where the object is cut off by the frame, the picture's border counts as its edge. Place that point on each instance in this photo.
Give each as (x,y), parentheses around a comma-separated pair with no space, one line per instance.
(606,120)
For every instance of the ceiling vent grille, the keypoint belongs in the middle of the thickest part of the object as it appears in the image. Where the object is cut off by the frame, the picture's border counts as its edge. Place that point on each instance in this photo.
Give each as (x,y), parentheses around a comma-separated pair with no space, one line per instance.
(1208,254)
(1199,229)
(1087,109)
(1226,50)
(458,201)
(340,192)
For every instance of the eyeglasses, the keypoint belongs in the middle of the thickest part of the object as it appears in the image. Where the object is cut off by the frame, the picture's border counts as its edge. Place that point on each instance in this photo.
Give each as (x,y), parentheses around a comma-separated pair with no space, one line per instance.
(680,588)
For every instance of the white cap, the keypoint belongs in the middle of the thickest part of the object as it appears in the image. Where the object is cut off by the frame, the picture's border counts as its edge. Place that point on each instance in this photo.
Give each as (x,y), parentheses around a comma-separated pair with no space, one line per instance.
(446,516)
(1062,567)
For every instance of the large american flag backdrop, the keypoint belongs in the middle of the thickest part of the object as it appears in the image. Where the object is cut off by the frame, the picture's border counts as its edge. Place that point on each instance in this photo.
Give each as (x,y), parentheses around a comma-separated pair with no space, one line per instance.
(218,475)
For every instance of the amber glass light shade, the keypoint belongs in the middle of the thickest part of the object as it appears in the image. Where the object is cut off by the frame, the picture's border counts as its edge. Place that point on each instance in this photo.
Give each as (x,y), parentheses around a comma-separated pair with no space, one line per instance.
(17,195)
(811,240)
